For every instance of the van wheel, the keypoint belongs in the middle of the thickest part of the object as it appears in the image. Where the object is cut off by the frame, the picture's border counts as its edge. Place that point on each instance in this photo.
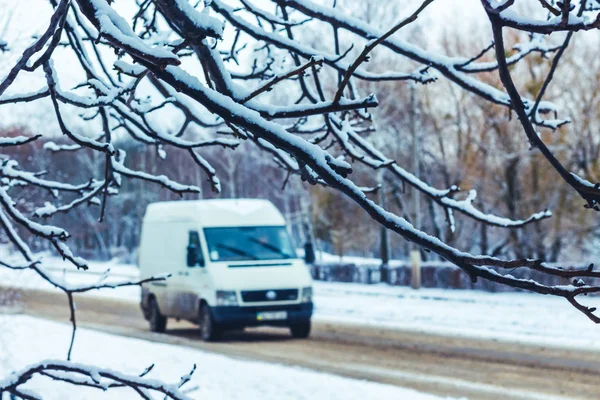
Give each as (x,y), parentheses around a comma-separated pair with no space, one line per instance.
(209,330)
(158,322)
(301,330)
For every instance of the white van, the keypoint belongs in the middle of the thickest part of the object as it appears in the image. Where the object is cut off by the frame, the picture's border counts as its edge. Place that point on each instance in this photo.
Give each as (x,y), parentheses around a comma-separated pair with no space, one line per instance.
(232,265)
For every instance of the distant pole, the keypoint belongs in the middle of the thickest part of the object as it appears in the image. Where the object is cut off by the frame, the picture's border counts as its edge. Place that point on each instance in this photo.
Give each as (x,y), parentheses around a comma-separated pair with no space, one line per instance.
(384,234)
(415,254)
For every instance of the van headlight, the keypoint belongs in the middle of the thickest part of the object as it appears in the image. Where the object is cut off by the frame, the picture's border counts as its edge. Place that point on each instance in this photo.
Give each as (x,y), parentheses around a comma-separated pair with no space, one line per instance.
(306,295)
(226,298)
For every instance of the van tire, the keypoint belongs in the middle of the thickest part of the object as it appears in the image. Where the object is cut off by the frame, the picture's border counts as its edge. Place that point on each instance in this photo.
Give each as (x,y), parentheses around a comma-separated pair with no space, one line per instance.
(210,331)
(301,330)
(158,322)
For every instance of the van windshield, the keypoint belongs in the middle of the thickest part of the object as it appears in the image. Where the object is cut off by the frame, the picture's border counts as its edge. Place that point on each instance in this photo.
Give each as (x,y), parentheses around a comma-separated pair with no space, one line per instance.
(249,243)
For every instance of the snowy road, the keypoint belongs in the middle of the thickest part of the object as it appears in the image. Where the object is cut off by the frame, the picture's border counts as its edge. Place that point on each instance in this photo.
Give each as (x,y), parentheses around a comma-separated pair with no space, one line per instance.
(452,366)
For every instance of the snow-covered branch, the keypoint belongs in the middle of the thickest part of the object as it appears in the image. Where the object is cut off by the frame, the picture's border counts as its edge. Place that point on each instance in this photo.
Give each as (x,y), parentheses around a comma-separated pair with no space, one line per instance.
(183,62)
(230,80)
(93,377)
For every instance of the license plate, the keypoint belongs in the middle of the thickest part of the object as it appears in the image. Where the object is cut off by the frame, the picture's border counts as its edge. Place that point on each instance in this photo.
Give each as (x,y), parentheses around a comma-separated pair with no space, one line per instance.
(271,315)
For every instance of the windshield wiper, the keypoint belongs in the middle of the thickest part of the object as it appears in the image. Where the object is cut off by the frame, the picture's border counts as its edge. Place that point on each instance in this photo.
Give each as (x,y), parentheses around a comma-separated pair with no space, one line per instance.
(237,251)
(271,247)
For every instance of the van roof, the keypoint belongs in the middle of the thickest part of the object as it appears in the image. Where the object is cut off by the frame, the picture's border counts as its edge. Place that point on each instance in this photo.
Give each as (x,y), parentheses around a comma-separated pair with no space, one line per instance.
(213,213)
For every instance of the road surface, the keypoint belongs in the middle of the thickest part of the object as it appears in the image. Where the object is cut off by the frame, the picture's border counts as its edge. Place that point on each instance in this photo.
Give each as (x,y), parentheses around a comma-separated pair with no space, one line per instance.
(450,366)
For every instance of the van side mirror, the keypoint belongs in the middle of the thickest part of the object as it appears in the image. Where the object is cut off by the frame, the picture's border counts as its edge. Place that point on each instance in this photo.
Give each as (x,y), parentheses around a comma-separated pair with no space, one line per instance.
(309,253)
(194,256)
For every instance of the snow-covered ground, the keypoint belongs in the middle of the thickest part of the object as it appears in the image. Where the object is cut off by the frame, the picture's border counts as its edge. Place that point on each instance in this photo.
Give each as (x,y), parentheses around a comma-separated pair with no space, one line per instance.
(514,317)
(216,376)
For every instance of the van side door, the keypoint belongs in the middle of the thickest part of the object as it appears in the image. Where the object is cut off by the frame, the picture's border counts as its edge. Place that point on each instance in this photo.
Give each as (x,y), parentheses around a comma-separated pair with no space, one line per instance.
(189,279)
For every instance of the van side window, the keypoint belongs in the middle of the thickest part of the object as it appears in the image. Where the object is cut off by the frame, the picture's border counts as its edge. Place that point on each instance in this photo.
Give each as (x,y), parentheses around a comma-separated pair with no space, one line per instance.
(195,256)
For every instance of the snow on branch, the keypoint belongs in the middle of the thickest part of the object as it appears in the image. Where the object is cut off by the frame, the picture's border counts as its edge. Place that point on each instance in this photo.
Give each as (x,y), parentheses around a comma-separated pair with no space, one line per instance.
(17,140)
(450,67)
(117,31)
(45,231)
(92,377)
(363,56)
(119,168)
(38,45)
(9,169)
(372,157)
(202,24)
(562,20)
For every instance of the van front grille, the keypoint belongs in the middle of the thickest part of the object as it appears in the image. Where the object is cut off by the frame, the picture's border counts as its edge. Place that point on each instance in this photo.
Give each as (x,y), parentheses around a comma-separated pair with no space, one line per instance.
(281,264)
(255,296)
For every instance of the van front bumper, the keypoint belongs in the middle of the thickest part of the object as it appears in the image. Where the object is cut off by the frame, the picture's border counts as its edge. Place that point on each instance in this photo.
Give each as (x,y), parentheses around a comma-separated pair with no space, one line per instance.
(247,316)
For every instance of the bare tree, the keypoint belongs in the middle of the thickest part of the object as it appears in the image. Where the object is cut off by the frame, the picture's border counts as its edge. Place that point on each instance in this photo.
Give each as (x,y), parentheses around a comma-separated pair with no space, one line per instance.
(173,57)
